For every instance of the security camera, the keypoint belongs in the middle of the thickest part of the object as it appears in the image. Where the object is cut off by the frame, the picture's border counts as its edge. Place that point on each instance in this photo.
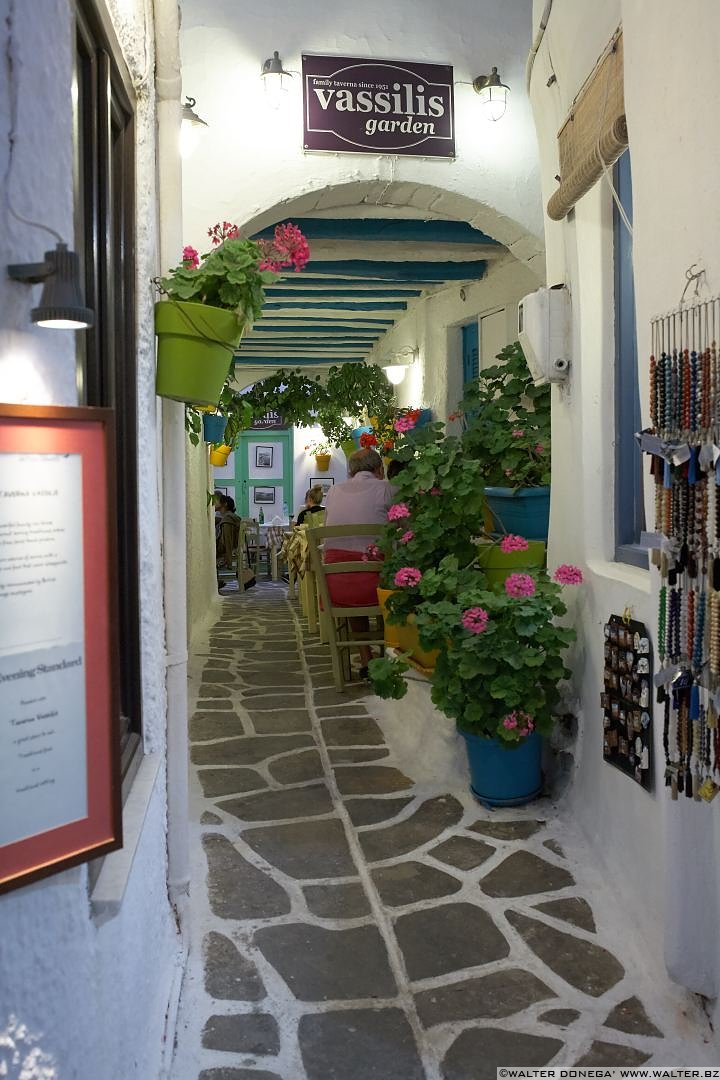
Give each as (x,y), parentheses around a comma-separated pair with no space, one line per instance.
(544,333)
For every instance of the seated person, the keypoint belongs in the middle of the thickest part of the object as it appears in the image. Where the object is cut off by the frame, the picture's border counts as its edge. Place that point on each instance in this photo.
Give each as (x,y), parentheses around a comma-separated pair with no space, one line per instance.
(363,499)
(313,498)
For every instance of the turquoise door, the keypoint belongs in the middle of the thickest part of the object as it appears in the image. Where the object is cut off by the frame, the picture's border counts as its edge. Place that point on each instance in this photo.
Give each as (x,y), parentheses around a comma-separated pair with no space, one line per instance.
(263,474)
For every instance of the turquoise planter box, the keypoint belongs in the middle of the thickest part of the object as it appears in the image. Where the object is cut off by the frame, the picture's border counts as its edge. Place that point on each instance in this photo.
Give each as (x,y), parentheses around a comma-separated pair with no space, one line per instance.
(214,428)
(522,511)
(502,777)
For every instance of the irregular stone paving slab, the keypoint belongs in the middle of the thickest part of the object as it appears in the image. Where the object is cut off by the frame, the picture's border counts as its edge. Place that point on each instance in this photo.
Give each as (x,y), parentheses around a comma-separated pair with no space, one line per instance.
(560,1017)
(429,820)
(277,689)
(574,910)
(334,697)
(462,852)
(488,997)
(215,704)
(237,1074)
(216,782)
(279,723)
(328,965)
(237,889)
(359,1044)
(612,1055)
(229,976)
(274,701)
(630,1016)
(585,966)
(410,882)
(372,811)
(354,753)
(218,677)
(523,873)
(338,710)
(306,849)
(247,751)
(210,819)
(215,691)
(295,768)
(370,780)
(552,845)
(291,674)
(448,938)
(355,731)
(256,1033)
(479,1052)
(507,830)
(337,901)
(204,726)
(280,805)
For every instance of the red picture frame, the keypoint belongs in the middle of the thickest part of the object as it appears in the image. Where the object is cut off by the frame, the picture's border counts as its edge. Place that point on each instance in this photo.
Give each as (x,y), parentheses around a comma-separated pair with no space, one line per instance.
(76,444)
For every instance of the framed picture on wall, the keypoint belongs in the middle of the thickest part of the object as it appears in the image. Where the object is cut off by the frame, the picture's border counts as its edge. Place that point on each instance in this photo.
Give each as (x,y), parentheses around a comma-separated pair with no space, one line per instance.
(263,495)
(263,457)
(325,482)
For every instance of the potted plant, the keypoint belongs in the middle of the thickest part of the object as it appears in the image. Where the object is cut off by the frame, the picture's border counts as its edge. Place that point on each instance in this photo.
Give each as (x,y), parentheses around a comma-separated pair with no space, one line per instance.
(210,299)
(498,669)
(508,432)
(321,450)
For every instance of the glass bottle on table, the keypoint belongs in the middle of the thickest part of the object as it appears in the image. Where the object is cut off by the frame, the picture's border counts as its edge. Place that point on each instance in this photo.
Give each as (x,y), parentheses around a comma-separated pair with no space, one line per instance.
(261,516)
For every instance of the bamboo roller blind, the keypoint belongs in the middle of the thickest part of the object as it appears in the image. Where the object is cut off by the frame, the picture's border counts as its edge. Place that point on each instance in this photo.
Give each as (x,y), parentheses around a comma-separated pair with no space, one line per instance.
(594,130)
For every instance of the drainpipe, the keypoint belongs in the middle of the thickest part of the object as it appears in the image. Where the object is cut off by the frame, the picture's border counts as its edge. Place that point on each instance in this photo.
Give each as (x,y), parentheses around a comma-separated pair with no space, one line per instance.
(169,188)
(536,43)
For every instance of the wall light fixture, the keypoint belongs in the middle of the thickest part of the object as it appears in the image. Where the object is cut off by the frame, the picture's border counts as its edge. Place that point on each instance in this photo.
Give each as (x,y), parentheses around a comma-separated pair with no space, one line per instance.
(62,306)
(276,79)
(396,368)
(493,94)
(190,127)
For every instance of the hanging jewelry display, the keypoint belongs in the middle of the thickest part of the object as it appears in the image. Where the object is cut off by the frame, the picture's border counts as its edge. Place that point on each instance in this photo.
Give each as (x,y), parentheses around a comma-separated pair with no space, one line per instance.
(625,700)
(684,444)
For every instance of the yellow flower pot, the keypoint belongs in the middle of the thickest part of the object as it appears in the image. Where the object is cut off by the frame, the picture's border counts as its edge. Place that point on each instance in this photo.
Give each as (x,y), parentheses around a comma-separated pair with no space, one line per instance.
(322,461)
(410,643)
(219,455)
(392,630)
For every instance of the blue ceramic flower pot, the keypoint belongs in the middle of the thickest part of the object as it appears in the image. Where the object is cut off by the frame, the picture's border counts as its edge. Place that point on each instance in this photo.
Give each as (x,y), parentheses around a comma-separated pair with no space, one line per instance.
(504,777)
(357,432)
(523,511)
(214,427)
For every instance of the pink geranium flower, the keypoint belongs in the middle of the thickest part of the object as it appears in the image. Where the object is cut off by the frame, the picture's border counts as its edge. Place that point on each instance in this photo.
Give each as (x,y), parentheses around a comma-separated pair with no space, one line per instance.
(539,448)
(407,537)
(435,491)
(513,543)
(475,619)
(403,424)
(190,258)
(408,576)
(398,511)
(518,720)
(372,553)
(519,585)
(517,433)
(567,574)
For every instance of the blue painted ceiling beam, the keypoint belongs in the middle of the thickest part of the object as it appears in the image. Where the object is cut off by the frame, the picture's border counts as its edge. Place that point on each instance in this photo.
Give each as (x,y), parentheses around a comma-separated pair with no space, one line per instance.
(300,282)
(313,328)
(276,322)
(403,271)
(344,305)
(406,230)
(280,361)
(361,294)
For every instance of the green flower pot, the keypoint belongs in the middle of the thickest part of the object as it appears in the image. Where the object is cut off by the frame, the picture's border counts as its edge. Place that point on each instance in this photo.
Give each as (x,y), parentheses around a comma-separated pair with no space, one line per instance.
(195,350)
(497,564)
(348,447)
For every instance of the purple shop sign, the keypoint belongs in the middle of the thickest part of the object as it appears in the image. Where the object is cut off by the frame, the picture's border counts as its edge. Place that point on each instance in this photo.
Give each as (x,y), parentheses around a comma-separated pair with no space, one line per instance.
(360,106)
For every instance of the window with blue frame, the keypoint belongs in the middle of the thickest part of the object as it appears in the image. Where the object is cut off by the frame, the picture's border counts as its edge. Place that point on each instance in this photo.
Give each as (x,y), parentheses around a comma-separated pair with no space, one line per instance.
(629,506)
(470,352)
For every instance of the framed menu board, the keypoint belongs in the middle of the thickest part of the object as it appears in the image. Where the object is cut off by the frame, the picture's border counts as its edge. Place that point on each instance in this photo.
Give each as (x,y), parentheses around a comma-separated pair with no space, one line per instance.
(59,739)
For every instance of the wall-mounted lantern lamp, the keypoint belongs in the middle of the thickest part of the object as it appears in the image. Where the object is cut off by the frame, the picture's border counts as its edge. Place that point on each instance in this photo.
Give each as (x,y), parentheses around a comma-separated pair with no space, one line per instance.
(493,94)
(276,79)
(190,126)
(62,306)
(396,368)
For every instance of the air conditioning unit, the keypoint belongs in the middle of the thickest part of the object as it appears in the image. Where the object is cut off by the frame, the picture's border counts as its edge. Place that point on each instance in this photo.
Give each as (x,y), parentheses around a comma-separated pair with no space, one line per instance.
(544,333)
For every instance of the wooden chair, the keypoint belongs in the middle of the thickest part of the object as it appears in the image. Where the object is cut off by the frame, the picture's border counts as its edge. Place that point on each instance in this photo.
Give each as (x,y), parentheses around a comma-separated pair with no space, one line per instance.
(308,584)
(336,622)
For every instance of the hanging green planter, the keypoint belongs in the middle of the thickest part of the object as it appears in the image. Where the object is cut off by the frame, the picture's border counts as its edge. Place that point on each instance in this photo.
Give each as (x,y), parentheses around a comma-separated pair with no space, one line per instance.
(348,447)
(195,350)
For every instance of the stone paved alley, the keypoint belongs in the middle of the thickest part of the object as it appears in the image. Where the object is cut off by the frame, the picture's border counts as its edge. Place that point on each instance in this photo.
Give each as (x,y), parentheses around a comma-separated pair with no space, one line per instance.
(350,923)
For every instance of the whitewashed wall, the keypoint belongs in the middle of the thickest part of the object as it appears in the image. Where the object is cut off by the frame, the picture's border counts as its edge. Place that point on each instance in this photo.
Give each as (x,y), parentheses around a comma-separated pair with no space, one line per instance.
(94,991)
(661,857)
